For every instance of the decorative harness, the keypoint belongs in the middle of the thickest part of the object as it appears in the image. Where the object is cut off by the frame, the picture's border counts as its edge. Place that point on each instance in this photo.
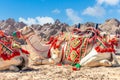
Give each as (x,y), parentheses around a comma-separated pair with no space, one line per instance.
(76,47)
(6,50)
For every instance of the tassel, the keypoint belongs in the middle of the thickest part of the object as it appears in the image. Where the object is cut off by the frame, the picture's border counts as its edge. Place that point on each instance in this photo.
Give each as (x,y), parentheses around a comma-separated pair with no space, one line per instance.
(50,41)
(74,69)
(59,64)
(25,51)
(77,67)
(69,58)
(49,55)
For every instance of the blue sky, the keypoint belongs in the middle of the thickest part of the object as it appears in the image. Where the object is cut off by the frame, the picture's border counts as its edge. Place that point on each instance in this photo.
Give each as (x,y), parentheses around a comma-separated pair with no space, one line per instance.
(68,11)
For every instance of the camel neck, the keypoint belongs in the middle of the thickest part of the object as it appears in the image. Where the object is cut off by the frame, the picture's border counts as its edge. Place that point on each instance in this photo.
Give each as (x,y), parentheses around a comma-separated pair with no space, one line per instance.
(35,42)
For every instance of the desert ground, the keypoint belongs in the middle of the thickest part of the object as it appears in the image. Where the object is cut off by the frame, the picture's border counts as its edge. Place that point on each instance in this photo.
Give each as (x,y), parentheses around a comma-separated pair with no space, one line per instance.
(64,72)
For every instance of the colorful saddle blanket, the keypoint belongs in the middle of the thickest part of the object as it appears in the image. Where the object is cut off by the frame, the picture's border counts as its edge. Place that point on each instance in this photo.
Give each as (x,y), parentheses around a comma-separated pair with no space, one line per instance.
(77,46)
(6,50)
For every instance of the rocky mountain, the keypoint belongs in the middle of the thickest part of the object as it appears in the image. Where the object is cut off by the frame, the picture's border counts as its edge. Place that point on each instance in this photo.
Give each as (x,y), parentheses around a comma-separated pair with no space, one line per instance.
(10,25)
(111,25)
(85,25)
(45,31)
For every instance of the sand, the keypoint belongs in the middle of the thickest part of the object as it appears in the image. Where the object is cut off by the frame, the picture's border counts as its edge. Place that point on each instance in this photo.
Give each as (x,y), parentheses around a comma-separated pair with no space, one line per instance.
(54,72)
(64,72)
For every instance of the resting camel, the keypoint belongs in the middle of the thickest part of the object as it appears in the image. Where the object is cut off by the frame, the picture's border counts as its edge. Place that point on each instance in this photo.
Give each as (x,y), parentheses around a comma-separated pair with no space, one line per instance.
(108,37)
(86,48)
(12,56)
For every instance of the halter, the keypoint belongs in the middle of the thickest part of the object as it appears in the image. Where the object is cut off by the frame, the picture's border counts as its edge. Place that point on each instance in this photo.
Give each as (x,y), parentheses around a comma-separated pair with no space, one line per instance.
(18,34)
(29,31)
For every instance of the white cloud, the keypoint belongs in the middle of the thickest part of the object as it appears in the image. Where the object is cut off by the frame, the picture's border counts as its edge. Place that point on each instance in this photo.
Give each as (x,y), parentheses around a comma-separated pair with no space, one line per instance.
(108,2)
(29,21)
(73,16)
(96,11)
(56,11)
(37,20)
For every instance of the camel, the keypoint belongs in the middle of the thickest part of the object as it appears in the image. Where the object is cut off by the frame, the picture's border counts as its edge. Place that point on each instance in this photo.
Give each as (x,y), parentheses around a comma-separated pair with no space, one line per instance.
(12,56)
(110,37)
(86,48)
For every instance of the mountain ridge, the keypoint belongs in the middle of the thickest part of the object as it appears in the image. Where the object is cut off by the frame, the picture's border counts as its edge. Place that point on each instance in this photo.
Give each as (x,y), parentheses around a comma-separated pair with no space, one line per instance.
(45,31)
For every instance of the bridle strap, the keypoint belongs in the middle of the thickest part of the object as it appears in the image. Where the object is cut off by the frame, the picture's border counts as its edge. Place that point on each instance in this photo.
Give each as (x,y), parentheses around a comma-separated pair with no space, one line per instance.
(31,30)
(27,36)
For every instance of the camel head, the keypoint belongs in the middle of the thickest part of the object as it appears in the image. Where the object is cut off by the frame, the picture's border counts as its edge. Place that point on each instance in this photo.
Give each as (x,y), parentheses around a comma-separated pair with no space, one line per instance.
(112,39)
(24,32)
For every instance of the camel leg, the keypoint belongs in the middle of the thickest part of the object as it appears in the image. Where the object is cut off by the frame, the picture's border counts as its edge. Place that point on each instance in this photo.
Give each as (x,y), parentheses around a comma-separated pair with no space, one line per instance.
(14,68)
(6,64)
(42,61)
(116,63)
(91,62)
(105,62)
(46,61)
(55,59)
(99,60)
(95,61)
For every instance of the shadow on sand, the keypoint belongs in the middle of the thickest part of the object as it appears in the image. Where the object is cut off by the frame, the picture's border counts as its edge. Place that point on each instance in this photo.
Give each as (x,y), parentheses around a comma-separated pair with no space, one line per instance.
(21,71)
